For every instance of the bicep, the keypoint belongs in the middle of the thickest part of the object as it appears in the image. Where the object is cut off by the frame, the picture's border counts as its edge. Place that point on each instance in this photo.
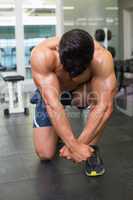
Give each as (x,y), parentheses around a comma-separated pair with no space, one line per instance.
(42,65)
(49,88)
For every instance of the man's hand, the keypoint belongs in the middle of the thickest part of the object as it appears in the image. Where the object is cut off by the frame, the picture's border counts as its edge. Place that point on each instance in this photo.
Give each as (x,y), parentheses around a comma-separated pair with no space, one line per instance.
(66,153)
(79,153)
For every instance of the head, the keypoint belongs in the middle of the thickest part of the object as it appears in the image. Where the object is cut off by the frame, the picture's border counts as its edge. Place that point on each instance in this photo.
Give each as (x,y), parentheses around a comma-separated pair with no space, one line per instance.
(76,50)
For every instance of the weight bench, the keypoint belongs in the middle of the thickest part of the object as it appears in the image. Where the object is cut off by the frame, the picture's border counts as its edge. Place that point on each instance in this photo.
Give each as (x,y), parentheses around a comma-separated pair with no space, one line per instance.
(12,81)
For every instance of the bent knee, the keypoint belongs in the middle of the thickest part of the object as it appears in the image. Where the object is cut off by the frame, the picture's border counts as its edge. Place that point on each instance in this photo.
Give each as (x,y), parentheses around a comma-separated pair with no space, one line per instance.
(45,155)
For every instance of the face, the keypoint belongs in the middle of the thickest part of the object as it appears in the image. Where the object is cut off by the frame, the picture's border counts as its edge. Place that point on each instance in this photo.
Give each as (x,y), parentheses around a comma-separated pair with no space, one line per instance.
(76,71)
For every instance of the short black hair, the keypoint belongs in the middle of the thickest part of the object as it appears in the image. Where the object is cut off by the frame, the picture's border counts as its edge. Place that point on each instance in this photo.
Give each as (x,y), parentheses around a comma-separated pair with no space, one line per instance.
(76,49)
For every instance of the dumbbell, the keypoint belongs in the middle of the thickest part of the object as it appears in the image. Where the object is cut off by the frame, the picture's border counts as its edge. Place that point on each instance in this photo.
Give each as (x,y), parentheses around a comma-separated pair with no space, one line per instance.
(100,35)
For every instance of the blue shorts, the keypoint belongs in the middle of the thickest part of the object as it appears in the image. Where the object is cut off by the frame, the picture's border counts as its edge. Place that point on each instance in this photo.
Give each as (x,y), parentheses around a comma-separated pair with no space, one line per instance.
(41,117)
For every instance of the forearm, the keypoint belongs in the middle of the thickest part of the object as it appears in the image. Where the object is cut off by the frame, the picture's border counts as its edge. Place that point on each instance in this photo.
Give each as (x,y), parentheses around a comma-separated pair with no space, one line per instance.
(61,124)
(93,126)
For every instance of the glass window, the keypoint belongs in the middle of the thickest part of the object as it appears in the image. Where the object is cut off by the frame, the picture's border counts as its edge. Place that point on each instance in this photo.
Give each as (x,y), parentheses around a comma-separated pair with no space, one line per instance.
(7,36)
(39,23)
(92,15)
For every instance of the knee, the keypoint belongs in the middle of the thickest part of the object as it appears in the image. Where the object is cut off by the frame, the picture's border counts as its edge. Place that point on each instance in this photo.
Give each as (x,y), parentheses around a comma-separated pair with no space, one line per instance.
(45,155)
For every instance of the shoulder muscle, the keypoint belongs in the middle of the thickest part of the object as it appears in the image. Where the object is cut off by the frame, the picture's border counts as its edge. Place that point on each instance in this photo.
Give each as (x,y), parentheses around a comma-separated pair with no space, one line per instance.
(42,61)
(104,66)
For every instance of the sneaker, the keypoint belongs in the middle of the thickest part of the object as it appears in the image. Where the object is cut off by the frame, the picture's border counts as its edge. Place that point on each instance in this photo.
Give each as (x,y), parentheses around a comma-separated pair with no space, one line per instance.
(94,166)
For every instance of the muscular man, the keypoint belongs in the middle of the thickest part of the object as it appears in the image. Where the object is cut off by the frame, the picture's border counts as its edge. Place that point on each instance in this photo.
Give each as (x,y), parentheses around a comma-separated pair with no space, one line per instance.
(78,64)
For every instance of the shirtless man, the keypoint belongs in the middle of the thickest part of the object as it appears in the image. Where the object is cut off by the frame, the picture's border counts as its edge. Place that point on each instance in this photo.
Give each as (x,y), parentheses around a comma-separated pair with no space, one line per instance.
(75,63)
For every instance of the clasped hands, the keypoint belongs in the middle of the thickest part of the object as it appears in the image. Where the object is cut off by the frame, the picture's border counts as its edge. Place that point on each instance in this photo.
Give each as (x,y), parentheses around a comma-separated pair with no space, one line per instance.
(78,153)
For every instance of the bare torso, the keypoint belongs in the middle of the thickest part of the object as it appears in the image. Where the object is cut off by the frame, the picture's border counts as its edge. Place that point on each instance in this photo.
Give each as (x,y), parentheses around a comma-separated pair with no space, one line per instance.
(51,78)
(45,57)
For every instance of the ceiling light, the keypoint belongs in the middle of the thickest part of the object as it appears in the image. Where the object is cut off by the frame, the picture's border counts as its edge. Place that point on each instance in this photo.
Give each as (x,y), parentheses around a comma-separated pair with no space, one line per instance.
(69,7)
(112,8)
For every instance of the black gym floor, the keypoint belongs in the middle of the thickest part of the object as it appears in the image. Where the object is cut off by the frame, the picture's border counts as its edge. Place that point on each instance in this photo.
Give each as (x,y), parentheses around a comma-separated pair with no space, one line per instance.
(24,177)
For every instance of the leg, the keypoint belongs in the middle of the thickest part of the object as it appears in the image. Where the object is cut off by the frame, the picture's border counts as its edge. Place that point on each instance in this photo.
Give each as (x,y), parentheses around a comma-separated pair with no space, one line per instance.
(44,136)
(45,141)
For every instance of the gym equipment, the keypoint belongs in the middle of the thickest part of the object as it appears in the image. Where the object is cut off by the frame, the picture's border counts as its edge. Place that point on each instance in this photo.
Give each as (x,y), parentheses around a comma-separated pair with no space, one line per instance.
(12,82)
(112,51)
(2,55)
(2,87)
(2,68)
(124,98)
(31,48)
(103,36)
(109,35)
(100,35)
(13,58)
(119,72)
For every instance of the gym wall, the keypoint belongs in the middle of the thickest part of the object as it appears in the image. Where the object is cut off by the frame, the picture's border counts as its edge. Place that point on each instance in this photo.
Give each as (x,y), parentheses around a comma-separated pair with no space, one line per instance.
(92,15)
(124,4)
